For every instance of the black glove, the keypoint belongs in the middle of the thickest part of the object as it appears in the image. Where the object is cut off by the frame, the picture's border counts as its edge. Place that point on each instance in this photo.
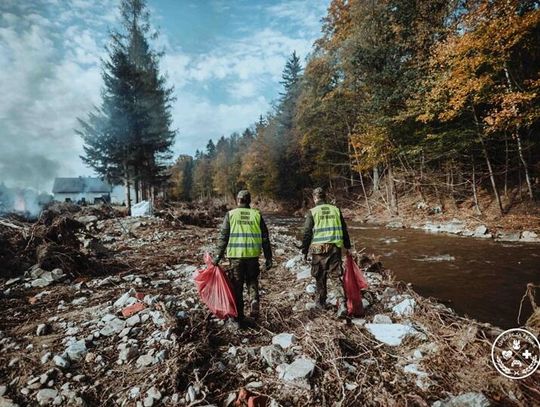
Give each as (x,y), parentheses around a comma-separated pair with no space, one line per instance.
(216,260)
(268,264)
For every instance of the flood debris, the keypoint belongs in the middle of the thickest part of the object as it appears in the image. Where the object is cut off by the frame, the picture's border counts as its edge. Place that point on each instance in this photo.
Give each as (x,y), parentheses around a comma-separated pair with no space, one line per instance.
(139,335)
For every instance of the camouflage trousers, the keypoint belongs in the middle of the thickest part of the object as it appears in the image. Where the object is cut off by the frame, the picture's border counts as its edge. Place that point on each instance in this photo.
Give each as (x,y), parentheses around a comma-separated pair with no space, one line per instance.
(244,271)
(323,265)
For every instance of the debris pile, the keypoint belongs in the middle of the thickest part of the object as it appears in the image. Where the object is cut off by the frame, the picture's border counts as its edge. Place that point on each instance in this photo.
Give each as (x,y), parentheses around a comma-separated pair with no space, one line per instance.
(141,336)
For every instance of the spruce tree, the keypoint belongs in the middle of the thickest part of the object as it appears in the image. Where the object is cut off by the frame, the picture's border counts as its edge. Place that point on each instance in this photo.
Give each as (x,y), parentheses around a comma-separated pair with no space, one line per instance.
(129,137)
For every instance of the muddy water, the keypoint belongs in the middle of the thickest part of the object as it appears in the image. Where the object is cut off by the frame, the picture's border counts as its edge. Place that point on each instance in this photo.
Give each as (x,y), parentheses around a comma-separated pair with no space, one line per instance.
(479,278)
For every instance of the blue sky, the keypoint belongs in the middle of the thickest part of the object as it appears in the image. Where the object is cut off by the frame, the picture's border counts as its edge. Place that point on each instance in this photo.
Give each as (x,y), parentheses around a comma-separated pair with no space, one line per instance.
(224,59)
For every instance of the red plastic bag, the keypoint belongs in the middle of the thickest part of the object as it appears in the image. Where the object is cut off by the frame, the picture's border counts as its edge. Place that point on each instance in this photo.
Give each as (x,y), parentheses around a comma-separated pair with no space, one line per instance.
(353,282)
(215,290)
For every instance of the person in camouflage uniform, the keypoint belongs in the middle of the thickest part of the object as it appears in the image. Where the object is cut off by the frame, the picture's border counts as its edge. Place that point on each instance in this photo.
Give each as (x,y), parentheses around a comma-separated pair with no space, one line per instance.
(325,235)
(243,234)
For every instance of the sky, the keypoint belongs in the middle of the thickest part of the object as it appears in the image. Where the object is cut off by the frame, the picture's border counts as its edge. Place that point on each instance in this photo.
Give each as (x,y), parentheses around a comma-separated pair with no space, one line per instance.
(223,57)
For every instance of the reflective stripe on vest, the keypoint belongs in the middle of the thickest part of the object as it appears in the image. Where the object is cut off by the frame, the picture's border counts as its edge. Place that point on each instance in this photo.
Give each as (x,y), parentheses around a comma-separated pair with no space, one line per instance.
(327,228)
(245,237)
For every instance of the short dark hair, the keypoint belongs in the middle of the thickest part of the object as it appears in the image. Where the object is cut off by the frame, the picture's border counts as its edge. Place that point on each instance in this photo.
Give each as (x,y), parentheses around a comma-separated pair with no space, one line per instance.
(244,197)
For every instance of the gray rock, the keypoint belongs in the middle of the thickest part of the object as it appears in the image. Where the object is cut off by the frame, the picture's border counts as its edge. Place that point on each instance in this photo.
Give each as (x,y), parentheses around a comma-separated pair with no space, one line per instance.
(311,288)
(405,308)
(46,396)
(395,224)
(254,385)
(5,402)
(60,362)
(12,281)
(470,399)
(145,360)
(3,390)
(273,355)
(124,299)
(112,327)
(72,331)
(191,394)
(300,369)
(480,231)
(40,282)
(133,320)
(303,273)
(43,329)
(381,319)
(508,236)
(79,301)
(76,350)
(154,393)
(528,236)
(359,321)
(392,334)
(285,340)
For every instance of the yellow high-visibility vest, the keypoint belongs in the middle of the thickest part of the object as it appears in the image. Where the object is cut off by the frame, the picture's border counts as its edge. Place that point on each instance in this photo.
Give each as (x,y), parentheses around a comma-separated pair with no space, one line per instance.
(245,238)
(327,228)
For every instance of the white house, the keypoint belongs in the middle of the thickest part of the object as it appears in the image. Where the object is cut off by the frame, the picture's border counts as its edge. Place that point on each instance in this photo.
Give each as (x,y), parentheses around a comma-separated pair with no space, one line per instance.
(81,189)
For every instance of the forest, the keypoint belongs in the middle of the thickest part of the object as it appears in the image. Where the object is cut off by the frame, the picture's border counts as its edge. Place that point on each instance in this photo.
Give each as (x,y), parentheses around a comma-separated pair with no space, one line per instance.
(397,98)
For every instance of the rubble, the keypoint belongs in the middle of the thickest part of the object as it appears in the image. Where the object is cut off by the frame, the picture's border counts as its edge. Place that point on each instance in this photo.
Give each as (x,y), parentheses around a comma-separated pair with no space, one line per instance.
(135,333)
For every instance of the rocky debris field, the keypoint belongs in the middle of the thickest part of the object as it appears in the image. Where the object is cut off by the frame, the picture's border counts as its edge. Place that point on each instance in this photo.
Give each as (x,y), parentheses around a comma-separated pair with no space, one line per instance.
(139,336)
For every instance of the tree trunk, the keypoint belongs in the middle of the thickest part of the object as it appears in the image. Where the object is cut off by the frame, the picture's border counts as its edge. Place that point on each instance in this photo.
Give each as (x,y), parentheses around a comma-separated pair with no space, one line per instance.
(506,158)
(365,195)
(525,169)
(475,195)
(127,185)
(392,191)
(376,178)
(137,188)
(518,140)
(488,162)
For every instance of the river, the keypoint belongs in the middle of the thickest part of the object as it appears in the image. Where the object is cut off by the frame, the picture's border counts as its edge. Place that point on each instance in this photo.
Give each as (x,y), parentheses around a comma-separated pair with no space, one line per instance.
(479,278)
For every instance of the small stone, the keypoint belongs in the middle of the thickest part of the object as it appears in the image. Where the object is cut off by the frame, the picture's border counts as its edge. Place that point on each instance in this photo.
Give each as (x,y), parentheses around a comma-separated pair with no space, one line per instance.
(154,393)
(359,321)
(3,390)
(46,396)
(128,354)
(42,329)
(44,378)
(145,360)
(382,319)
(60,362)
(133,320)
(273,355)
(254,385)
(470,399)
(79,301)
(392,334)
(123,300)
(405,308)
(285,340)
(134,392)
(301,368)
(77,350)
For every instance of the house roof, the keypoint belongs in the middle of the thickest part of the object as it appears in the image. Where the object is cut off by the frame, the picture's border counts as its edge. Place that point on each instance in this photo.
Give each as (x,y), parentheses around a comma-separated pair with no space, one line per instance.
(81,185)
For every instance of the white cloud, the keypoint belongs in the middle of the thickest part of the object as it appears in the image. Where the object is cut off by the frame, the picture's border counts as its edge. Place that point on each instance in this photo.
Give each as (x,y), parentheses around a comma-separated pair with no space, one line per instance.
(50,74)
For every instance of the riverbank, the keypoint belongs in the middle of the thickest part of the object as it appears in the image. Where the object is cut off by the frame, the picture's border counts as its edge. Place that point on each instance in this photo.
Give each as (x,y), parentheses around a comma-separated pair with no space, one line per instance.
(140,336)
(521,223)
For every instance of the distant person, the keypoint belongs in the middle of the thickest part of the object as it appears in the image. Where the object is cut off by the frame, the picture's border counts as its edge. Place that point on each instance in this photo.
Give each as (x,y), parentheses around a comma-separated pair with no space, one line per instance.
(243,235)
(325,235)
